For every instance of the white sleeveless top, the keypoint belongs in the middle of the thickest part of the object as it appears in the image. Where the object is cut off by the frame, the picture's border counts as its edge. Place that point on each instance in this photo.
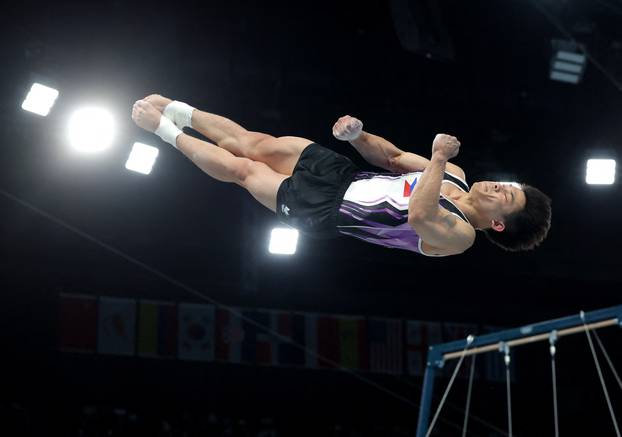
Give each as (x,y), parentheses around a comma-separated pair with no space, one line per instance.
(375,209)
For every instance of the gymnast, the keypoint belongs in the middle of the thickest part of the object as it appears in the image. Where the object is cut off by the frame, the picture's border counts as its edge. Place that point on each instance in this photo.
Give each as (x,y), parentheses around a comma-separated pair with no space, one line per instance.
(418,204)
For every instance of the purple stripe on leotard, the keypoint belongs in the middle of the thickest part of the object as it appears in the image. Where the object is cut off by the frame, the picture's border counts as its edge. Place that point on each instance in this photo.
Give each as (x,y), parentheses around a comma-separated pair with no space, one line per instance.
(379,221)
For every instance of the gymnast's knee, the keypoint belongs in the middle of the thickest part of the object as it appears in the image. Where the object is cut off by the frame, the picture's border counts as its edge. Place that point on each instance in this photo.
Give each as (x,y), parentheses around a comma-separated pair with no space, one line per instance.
(244,169)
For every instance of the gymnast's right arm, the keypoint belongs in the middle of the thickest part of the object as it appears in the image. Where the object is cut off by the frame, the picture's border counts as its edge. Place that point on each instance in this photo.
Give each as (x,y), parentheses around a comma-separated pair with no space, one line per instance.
(380,152)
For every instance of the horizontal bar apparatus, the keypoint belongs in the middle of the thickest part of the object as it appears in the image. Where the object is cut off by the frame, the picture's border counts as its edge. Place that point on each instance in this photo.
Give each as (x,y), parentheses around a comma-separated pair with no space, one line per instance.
(438,354)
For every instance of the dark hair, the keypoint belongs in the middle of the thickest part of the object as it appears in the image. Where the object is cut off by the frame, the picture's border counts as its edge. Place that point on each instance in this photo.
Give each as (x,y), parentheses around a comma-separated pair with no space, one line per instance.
(525,229)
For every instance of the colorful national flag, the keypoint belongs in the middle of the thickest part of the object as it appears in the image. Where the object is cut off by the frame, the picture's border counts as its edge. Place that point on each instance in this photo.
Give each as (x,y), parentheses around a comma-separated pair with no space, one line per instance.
(269,337)
(267,343)
(229,335)
(157,329)
(291,326)
(327,341)
(311,340)
(77,323)
(409,187)
(333,341)
(117,326)
(258,344)
(353,343)
(385,346)
(419,337)
(196,332)
(280,344)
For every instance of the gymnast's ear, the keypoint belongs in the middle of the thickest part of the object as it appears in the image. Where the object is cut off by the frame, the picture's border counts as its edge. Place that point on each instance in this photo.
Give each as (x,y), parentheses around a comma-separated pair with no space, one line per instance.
(497,225)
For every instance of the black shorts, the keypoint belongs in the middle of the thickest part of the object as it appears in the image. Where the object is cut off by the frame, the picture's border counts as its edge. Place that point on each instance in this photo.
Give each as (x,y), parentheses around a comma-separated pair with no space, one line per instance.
(309,199)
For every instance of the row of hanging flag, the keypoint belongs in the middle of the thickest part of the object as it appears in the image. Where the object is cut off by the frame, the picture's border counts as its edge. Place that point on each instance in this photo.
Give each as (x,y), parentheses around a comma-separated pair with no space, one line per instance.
(202,332)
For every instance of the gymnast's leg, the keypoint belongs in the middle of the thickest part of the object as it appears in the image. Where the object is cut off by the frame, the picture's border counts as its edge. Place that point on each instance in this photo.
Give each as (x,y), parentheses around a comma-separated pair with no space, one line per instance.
(279,153)
(256,177)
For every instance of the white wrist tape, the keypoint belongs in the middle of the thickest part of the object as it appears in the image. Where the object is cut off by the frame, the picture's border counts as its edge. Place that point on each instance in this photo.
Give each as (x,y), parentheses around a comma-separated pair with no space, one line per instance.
(168,131)
(179,113)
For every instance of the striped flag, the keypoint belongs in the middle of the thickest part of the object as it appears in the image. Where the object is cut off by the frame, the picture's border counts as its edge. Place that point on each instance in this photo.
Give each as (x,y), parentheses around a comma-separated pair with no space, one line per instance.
(291,326)
(77,323)
(353,343)
(385,346)
(333,341)
(279,345)
(117,326)
(311,340)
(419,337)
(157,329)
(196,332)
(229,335)
(258,344)
(327,341)
(265,338)
(267,343)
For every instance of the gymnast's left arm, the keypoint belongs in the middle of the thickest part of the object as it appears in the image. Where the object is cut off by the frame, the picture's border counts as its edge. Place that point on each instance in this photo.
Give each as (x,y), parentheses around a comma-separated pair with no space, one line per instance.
(435,225)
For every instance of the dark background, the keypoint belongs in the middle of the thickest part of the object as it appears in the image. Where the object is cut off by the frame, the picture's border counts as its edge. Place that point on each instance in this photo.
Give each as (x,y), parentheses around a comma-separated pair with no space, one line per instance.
(292,68)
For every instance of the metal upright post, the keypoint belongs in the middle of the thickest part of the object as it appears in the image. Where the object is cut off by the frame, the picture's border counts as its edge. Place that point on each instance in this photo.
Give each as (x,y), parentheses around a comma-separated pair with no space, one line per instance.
(434,360)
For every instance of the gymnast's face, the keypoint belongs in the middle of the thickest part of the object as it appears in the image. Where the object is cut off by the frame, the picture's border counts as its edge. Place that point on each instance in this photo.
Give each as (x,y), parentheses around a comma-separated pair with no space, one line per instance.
(496,200)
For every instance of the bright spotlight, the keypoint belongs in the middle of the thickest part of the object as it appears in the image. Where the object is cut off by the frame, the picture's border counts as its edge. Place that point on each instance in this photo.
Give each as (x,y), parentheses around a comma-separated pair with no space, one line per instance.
(142,157)
(600,171)
(283,241)
(91,129)
(40,99)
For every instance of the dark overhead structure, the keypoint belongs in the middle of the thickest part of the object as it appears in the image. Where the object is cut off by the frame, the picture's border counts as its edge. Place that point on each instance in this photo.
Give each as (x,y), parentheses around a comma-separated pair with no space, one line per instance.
(420,28)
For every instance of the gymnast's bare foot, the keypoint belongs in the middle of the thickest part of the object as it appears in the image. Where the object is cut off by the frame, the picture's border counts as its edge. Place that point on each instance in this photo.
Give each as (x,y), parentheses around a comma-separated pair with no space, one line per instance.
(146,116)
(158,101)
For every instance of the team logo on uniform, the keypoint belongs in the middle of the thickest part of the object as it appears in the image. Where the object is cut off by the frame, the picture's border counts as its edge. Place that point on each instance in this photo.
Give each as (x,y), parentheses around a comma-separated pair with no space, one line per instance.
(285,210)
(408,188)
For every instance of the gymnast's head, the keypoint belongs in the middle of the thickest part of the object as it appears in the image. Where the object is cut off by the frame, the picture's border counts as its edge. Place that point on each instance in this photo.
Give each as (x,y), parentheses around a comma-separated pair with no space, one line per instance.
(515,217)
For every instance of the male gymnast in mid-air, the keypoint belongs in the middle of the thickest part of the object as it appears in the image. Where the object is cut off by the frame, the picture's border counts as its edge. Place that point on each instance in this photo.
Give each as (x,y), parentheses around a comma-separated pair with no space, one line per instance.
(422,205)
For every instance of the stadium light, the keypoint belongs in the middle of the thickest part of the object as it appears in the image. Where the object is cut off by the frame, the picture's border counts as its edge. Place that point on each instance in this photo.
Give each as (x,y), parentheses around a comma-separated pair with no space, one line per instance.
(600,171)
(40,99)
(283,241)
(91,129)
(568,62)
(142,157)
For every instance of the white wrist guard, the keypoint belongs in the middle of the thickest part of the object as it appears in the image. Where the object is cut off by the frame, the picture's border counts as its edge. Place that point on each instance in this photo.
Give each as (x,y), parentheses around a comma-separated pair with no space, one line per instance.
(168,131)
(179,113)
